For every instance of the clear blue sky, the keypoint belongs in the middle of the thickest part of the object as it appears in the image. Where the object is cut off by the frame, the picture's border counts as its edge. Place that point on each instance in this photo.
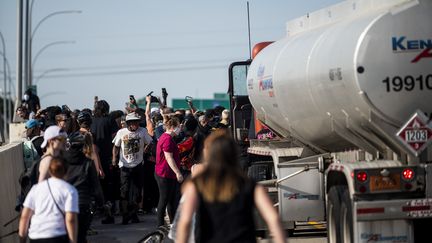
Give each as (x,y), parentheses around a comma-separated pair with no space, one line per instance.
(137,46)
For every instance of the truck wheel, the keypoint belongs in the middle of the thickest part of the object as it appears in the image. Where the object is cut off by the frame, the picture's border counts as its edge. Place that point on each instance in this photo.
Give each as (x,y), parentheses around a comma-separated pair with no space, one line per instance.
(333,217)
(346,216)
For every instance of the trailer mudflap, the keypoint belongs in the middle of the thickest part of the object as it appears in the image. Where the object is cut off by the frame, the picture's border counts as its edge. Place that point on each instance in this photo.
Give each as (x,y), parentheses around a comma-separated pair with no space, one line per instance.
(300,190)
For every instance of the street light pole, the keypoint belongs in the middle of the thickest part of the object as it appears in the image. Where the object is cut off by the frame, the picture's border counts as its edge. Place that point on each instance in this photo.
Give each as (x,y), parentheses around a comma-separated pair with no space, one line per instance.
(31,35)
(19,54)
(27,44)
(49,71)
(5,118)
(10,99)
(42,50)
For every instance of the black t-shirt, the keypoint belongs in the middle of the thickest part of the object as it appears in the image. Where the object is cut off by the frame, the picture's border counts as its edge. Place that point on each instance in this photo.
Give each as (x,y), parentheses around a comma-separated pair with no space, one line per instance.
(103,129)
(37,142)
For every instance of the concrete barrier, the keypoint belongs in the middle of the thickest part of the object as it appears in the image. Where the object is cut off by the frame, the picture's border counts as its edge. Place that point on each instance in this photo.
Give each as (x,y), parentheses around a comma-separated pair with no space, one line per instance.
(11,167)
(16,132)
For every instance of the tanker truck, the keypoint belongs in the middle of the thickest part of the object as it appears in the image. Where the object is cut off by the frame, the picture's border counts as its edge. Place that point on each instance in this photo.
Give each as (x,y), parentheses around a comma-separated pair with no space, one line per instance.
(348,94)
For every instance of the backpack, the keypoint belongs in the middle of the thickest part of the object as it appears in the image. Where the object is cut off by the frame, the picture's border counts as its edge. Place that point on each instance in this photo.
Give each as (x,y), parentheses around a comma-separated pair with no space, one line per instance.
(27,179)
(30,153)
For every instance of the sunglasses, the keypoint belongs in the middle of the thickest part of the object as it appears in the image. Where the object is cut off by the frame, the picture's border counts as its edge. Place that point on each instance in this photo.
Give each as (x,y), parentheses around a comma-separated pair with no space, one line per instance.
(60,139)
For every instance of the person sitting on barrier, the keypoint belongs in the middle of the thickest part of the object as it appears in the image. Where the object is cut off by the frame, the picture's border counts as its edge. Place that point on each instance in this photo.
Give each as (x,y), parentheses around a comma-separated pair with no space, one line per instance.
(224,198)
(50,209)
(54,142)
(21,114)
(32,152)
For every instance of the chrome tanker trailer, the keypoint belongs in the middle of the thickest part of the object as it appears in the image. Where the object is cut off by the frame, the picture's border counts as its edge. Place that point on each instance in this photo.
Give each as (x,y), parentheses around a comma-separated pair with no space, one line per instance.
(348,92)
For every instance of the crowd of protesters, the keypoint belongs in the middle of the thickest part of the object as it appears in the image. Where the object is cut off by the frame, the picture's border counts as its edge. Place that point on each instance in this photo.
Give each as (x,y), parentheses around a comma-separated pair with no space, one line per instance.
(128,162)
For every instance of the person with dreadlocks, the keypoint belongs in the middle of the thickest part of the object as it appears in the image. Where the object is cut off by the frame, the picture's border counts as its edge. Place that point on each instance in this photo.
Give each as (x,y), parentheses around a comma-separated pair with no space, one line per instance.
(103,129)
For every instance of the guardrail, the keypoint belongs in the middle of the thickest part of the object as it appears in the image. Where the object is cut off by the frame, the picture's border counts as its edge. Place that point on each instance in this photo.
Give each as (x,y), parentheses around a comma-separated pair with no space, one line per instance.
(11,167)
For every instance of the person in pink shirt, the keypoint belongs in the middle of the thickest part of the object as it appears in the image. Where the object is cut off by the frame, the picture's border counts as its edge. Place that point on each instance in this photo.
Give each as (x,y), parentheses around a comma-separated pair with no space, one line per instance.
(167,172)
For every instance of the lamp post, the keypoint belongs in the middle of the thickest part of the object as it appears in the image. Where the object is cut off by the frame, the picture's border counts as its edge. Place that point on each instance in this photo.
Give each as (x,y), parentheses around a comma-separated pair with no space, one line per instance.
(41,51)
(52,94)
(30,35)
(49,71)
(8,75)
(5,118)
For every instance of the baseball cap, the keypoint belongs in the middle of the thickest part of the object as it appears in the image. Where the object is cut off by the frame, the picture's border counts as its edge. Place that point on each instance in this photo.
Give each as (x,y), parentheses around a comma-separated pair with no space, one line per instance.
(133,117)
(32,123)
(52,132)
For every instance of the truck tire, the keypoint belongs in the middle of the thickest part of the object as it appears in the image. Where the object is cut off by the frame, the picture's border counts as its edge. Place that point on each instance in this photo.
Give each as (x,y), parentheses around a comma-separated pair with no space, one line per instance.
(346,218)
(333,214)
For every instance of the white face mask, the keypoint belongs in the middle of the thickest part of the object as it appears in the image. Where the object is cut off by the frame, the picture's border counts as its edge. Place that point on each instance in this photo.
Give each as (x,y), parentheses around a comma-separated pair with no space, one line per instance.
(26,97)
(177,130)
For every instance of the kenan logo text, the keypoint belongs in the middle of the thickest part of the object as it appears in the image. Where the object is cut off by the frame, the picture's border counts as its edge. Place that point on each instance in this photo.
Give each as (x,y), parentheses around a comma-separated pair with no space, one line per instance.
(402,44)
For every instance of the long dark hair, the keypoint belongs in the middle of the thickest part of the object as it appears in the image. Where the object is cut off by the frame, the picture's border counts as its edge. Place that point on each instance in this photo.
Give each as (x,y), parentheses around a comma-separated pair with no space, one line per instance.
(101,108)
(223,177)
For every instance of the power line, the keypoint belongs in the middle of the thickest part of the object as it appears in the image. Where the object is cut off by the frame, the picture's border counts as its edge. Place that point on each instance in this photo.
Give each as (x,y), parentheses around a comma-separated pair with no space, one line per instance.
(110,67)
(129,72)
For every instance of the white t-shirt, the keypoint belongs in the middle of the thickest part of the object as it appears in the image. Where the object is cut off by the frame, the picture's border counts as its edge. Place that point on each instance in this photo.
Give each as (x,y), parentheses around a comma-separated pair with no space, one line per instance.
(47,221)
(131,146)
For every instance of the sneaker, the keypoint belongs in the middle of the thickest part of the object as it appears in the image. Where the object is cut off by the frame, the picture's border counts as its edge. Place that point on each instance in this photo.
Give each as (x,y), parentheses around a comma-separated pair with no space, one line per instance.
(108,220)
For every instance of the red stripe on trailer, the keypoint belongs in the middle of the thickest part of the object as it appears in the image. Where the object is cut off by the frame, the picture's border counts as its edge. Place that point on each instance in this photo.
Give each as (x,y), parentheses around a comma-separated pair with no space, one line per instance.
(416,208)
(370,210)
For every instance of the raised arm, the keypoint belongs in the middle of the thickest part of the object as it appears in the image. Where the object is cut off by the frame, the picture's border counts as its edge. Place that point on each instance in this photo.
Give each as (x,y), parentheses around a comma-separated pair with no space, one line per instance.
(191,106)
(149,123)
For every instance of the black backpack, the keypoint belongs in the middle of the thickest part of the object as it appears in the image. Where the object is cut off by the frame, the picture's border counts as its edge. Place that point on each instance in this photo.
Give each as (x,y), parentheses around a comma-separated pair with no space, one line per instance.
(27,179)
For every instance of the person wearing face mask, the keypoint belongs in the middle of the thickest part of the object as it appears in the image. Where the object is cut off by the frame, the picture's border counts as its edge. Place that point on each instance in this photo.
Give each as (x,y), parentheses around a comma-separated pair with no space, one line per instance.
(31,102)
(167,172)
(130,142)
